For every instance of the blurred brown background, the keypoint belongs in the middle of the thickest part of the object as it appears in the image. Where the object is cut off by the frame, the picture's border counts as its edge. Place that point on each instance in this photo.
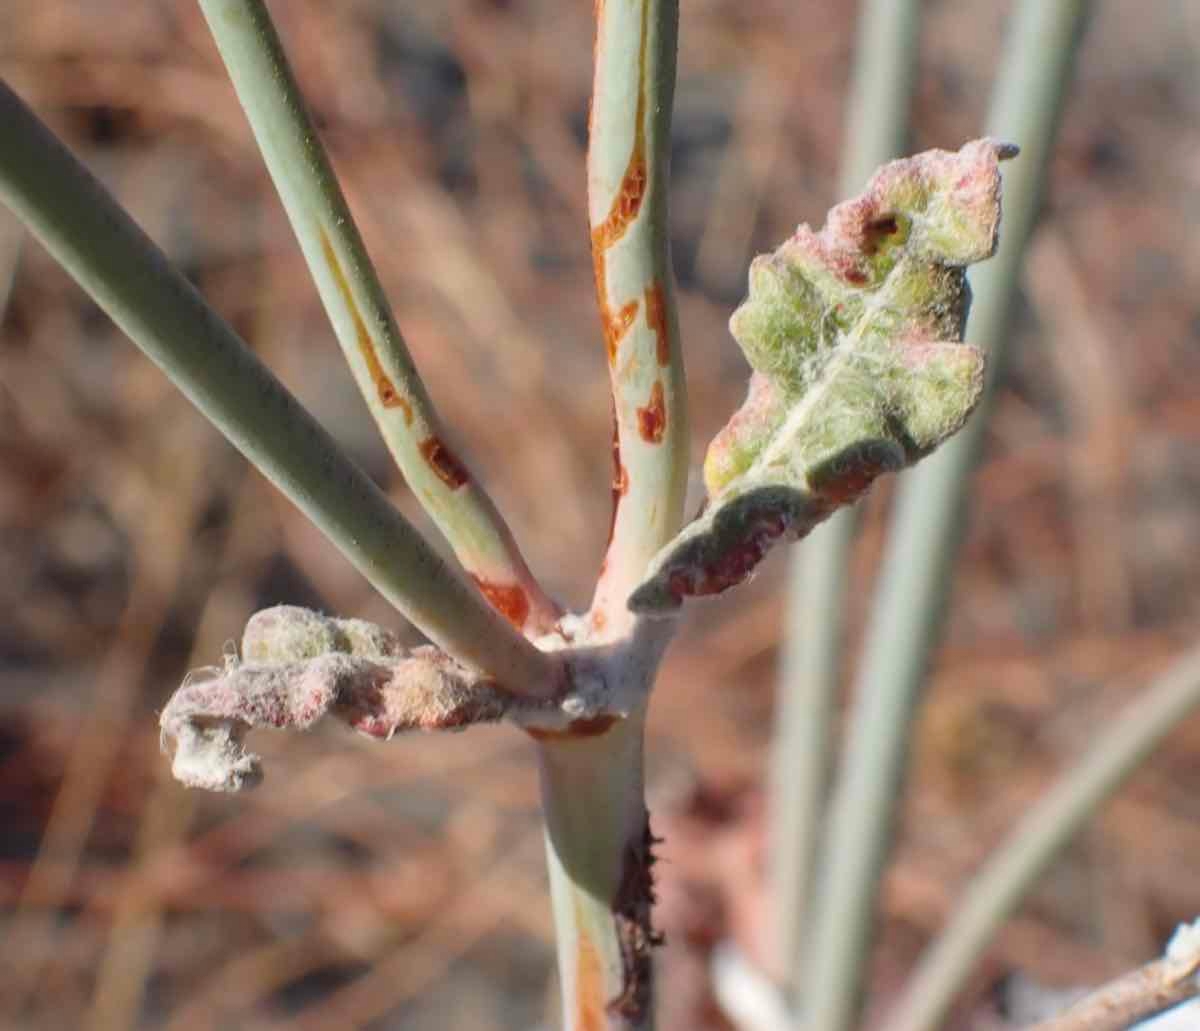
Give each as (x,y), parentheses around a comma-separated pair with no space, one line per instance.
(402,886)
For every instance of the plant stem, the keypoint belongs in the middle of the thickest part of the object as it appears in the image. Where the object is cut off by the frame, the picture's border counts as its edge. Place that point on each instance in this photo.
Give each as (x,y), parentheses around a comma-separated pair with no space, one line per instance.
(1013,868)
(361,316)
(876,130)
(84,228)
(916,577)
(1120,1004)
(597,829)
(598,850)
(628,156)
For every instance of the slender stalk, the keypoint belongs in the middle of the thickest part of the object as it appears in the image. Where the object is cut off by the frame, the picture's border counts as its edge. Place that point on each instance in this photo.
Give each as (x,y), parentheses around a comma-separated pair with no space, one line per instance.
(1143,992)
(628,156)
(598,851)
(361,316)
(885,69)
(1013,868)
(885,65)
(82,226)
(916,576)
(597,830)
(810,672)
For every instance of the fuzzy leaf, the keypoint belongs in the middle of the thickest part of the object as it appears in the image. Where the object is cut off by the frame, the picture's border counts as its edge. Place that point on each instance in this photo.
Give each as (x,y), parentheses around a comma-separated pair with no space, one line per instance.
(421,689)
(298,667)
(288,633)
(854,335)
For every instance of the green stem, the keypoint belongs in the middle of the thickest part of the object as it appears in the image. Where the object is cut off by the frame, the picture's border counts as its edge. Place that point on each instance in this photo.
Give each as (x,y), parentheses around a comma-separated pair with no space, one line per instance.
(1013,868)
(84,228)
(917,570)
(628,173)
(598,851)
(885,63)
(597,831)
(361,316)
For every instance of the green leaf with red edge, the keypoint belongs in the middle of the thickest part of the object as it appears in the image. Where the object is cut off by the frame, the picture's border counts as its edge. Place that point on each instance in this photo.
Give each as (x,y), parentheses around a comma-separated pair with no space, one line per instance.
(854,335)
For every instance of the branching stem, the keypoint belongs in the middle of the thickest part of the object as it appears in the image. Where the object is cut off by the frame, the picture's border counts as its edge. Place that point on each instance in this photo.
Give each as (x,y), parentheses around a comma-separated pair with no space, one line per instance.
(82,226)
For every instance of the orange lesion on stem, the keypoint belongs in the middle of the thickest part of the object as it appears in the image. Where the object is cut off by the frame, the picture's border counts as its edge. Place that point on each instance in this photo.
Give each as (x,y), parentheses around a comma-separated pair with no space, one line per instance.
(620,480)
(620,475)
(615,325)
(521,600)
(656,319)
(444,463)
(652,417)
(620,484)
(386,390)
(626,205)
(628,201)
(510,600)
(585,726)
(589,987)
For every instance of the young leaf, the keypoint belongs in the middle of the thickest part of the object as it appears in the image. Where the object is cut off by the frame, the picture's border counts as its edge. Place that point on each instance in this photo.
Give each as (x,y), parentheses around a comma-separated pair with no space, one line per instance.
(854,335)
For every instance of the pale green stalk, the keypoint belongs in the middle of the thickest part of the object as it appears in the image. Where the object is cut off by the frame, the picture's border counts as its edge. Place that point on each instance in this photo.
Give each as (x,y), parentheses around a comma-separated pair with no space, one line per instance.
(916,576)
(361,316)
(597,830)
(1035,842)
(597,851)
(628,178)
(85,229)
(885,62)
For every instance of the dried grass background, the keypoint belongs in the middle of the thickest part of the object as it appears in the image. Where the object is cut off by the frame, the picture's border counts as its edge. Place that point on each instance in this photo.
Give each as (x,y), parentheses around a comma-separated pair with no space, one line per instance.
(402,886)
